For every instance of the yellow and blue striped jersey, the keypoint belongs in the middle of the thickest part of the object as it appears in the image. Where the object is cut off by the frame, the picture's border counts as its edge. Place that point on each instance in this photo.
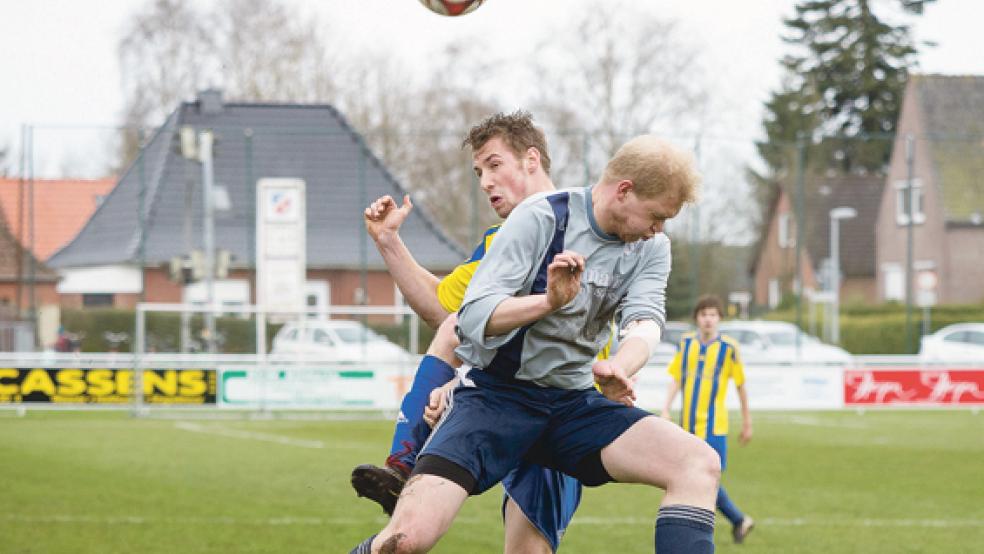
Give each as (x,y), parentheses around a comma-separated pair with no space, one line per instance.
(703,371)
(451,289)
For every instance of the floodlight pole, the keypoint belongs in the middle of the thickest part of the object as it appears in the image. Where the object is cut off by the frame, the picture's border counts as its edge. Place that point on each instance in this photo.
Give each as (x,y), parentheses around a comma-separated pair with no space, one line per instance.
(800,177)
(205,140)
(910,149)
(836,214)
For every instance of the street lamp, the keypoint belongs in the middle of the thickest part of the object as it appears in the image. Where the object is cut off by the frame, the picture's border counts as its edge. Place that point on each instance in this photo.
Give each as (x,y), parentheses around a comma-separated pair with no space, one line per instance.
(836,214)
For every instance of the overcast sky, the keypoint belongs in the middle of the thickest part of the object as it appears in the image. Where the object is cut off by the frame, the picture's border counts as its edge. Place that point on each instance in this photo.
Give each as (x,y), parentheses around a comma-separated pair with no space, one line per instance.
(59,64)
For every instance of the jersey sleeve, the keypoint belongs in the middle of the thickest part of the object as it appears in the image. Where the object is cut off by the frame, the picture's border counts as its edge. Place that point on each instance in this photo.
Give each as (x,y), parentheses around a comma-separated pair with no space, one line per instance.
(646,296)
(520,243)
(674,369)
(451,289)
(737,367)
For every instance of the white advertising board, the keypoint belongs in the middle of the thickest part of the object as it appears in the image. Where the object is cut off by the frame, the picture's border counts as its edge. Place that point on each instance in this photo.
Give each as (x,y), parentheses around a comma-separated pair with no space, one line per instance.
(770,387)
(333,386)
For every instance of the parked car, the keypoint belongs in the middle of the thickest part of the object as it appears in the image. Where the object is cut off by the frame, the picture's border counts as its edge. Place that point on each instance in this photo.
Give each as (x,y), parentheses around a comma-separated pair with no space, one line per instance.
(336,340)
(960,342)
(775,342)
(669,342)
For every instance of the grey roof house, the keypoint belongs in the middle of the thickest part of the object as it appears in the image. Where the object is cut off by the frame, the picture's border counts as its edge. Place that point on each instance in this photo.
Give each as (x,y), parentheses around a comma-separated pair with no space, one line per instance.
(155,212)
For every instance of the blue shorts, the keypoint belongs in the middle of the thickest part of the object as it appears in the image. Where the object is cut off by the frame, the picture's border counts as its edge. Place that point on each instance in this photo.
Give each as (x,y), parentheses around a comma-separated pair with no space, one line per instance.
(720,445)
(547,497)
(492,424)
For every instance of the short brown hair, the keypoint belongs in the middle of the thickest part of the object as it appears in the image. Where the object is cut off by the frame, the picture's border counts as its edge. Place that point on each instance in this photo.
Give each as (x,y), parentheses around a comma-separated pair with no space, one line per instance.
(655,168)
(709,301)
(516,130)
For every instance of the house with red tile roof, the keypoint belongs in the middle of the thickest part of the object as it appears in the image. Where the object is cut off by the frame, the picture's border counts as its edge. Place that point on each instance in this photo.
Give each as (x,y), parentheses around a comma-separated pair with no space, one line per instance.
(38,217)
(46,214)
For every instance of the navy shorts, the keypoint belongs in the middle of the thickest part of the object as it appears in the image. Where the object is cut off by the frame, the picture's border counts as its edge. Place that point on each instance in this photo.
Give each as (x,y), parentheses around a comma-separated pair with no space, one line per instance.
(491,425)
(547,497)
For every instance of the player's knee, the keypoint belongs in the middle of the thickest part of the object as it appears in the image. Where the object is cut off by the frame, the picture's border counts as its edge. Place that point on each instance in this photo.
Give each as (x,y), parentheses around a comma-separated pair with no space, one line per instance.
(706,465)
(401,542)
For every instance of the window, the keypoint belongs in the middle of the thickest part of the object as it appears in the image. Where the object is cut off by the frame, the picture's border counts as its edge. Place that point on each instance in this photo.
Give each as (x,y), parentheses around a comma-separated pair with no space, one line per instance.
(959,336)
(894,282)
(321,337)
(975,337)
(97,300)
(786,235)
(745,338)
(902,205)
(774,295)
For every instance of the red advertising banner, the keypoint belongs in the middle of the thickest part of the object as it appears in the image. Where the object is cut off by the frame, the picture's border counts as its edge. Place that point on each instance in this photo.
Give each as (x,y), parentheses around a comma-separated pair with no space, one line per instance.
(913,386)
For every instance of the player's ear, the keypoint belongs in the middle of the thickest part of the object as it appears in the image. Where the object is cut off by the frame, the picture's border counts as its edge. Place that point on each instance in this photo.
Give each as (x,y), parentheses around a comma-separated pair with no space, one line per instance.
(623,188)
(531,160)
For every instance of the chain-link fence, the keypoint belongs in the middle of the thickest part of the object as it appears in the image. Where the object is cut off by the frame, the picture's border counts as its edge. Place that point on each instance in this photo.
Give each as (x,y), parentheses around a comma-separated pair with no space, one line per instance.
(779,226)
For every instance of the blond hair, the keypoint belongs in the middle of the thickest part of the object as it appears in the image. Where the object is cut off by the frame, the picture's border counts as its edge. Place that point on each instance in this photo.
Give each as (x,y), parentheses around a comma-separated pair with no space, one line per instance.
(656,168)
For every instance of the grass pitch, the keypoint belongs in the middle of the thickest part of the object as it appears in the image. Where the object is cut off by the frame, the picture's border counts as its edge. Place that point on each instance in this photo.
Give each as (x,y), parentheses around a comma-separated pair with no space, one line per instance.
(902,481)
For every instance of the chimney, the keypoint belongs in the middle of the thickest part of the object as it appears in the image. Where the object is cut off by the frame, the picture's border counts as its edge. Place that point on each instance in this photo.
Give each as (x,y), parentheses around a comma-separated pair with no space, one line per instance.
(210,101)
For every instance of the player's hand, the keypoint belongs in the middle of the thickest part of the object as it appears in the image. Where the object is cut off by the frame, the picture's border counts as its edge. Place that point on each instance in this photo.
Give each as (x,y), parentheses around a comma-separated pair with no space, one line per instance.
(437,403)
(746,434)
(564,278)
(384,217)
(665,414)
(613,382)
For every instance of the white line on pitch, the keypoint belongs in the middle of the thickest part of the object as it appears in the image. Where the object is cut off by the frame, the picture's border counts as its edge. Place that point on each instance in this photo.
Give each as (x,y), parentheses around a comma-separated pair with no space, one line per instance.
(249,435)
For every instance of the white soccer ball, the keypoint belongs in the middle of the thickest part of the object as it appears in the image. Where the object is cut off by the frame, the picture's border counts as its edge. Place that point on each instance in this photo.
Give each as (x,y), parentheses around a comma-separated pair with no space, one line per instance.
(452,7)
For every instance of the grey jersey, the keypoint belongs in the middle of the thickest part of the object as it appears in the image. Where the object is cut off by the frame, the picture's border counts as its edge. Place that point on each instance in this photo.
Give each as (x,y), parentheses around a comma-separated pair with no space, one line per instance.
(557,351)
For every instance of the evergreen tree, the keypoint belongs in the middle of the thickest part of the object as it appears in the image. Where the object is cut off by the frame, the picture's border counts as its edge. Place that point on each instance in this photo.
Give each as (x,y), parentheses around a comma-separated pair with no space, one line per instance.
(843,89)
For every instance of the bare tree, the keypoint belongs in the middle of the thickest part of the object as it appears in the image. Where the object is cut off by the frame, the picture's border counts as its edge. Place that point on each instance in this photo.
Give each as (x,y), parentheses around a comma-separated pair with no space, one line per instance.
(623,71)
(267,52)
(162,53)
(417,130)
(253,49)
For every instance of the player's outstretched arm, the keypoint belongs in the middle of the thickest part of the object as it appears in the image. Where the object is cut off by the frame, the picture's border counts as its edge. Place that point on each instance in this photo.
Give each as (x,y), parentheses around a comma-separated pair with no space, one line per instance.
(746,416)
(383,220)
(563,284)
(670,395)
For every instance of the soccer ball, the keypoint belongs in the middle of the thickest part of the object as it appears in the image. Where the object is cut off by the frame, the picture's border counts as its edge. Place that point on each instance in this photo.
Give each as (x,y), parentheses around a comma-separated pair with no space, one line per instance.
(452,7)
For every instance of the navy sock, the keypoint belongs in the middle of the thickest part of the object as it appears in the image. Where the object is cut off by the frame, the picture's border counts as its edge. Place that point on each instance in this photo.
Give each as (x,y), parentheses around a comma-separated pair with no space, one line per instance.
(682,529)
(365,547)
(432,373)
(728,507)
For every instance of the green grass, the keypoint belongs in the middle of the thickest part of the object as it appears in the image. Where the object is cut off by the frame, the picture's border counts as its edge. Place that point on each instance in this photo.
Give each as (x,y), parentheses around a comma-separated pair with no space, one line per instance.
(892,482)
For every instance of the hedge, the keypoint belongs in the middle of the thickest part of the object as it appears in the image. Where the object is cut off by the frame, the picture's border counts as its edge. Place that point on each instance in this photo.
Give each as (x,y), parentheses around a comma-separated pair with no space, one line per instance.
(881,329)
(163,329)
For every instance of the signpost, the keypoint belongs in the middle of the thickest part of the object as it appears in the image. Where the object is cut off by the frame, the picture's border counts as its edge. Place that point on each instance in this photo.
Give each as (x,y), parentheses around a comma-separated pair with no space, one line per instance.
(926,297)
(281,245)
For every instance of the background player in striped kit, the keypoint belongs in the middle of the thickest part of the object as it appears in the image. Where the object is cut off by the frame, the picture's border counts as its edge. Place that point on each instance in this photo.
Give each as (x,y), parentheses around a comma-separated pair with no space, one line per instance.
(701,368)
